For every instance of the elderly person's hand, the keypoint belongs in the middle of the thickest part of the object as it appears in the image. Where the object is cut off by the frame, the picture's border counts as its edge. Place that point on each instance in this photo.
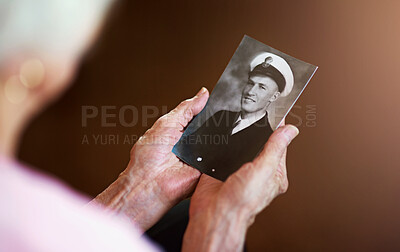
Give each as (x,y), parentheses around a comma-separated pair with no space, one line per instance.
(221,212)
(155,179)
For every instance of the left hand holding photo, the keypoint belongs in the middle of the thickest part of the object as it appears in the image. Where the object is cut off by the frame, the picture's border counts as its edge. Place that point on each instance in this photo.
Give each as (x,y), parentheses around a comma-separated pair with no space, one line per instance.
(155,179)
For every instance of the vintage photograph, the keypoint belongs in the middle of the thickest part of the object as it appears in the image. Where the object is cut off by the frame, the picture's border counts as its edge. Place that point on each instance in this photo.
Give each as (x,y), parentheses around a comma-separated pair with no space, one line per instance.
(160,126)
(252,97)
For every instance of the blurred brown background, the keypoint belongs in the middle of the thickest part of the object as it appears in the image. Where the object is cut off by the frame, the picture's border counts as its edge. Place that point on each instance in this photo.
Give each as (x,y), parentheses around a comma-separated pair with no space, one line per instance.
(344,172)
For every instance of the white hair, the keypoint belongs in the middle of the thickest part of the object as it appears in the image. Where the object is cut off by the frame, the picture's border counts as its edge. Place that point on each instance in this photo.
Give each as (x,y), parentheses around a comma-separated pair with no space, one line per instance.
(55,27)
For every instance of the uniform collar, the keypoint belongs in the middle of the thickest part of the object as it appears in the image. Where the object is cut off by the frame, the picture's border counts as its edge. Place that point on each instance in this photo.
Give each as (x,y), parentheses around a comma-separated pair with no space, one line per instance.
(244,123)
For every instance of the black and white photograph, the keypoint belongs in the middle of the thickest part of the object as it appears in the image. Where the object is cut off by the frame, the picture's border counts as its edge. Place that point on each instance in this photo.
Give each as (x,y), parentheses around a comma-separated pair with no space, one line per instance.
(191,126)
(250,100)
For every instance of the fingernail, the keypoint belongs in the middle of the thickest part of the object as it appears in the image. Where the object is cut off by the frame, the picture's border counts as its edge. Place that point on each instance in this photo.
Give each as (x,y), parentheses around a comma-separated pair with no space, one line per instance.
(291,131)
(202,91)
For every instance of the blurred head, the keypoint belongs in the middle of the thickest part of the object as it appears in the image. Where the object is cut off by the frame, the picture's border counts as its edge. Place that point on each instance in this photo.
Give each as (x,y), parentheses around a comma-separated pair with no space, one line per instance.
(42,42)
(258,93)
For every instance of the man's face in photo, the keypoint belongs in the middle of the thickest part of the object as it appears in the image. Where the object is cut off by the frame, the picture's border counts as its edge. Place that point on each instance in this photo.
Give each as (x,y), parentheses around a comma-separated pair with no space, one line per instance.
(258,92)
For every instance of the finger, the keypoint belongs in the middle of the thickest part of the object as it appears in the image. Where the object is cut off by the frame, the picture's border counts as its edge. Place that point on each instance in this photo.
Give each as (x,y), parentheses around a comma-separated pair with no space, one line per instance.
(185,111)
(282,165)
(207,185)
(282,123)
(206,179)
(275,147)
(282,174)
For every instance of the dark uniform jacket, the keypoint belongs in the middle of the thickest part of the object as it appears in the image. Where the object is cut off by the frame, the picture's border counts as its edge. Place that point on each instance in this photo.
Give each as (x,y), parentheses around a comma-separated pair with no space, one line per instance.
(214,151)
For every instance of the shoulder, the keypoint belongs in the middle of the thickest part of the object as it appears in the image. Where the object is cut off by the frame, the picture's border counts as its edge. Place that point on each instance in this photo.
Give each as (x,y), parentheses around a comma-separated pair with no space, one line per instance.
(59,216)
(263,124)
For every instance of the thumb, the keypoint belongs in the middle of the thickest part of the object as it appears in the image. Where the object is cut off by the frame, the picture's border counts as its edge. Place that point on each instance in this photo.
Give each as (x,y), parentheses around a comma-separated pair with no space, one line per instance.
(275,147)
(189,108)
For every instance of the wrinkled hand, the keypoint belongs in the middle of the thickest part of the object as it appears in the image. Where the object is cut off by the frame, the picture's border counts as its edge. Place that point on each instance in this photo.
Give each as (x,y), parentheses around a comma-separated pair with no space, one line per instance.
(255,184)
(155,179)
(152,158)
(221,212)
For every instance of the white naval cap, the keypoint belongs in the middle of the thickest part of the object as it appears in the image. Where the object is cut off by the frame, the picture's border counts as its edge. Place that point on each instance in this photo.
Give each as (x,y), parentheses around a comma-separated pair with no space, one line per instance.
(266,59)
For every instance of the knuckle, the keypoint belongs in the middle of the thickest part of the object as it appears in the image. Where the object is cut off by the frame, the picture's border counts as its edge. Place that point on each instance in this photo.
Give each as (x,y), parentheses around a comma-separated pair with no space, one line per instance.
(133,150)
(184,103)
(279,140)
(284,186)
(188,113)
(162,121)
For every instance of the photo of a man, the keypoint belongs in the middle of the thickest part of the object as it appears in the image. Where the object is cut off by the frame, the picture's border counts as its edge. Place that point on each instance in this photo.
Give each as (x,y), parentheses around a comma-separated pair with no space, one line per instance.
(267,82)
(231,137)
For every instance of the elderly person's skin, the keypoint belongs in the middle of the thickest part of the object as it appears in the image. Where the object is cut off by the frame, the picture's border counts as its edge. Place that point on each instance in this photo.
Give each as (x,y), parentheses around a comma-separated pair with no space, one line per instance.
(155,179)
(221,212)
